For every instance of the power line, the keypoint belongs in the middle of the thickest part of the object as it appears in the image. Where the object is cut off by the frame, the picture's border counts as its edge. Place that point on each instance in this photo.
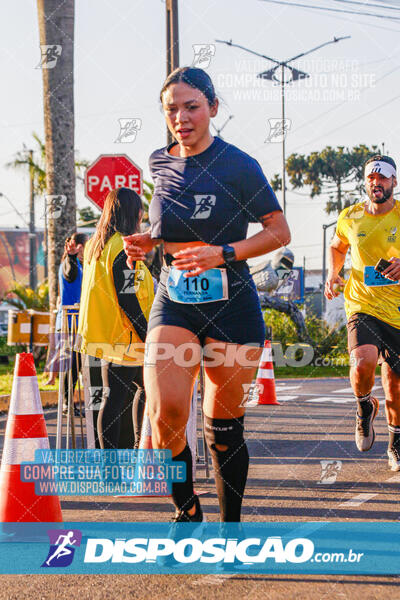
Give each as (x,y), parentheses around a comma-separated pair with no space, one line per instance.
(9,212)
(338,106)
(14,207)
(368,5)
(294,131)
(350,122)
(335,10)
(344,102)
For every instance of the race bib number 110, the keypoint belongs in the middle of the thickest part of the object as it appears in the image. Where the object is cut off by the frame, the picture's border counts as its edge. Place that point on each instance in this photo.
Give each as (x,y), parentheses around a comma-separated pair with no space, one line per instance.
(210,286)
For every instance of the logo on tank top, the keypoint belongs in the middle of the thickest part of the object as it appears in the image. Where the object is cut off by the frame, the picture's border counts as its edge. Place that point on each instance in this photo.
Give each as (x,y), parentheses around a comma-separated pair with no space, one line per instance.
(204,204)
(392,234)
(133,279)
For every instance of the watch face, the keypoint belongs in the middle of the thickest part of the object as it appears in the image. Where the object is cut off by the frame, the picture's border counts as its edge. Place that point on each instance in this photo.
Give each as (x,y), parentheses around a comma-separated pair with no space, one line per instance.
(228,253)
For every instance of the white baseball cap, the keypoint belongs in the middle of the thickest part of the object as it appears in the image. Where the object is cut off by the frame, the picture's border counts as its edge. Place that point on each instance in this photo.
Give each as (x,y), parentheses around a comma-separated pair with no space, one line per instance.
(380,166)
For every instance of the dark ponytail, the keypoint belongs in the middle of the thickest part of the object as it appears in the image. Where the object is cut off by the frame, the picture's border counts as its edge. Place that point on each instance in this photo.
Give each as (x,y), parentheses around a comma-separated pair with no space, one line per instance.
(122,212)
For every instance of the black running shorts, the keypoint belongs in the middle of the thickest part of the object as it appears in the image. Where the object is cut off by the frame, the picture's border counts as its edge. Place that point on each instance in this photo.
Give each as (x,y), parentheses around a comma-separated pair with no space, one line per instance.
(238,320)
(365,329)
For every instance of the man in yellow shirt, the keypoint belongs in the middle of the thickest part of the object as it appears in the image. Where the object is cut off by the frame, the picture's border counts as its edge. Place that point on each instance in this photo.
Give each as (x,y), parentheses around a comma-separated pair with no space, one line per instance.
(371,229)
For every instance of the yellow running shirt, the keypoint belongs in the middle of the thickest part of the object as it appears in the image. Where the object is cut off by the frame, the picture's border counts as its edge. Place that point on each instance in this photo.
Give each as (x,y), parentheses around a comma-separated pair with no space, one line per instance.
(370,237)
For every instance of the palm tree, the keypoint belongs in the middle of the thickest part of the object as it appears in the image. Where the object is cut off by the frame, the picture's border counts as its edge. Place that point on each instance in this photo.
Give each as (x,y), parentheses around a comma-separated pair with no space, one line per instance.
(23,297)
(35,162)
(148,190)
(56,31)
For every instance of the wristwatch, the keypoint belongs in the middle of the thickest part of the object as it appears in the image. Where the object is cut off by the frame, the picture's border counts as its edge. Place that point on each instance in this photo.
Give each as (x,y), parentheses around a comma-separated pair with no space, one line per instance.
(228,253)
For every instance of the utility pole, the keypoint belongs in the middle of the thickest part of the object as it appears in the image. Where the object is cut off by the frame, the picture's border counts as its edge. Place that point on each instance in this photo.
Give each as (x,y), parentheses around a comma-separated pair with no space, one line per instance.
(172,42)
(32,232)
(283,73)
(324,228)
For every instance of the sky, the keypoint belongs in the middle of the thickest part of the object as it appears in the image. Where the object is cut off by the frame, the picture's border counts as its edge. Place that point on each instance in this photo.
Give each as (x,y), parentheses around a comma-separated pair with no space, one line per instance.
(352,95)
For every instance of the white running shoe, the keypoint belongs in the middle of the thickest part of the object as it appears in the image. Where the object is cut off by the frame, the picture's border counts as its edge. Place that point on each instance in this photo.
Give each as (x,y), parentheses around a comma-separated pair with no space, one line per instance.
(365,434)
(394,458)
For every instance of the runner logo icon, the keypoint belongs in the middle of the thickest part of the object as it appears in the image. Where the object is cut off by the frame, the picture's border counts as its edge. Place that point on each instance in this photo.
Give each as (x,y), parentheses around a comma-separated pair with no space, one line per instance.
(204,204)
(62,550)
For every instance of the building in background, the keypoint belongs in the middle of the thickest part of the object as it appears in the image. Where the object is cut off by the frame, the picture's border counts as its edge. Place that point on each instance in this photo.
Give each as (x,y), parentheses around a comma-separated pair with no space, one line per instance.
(14,256)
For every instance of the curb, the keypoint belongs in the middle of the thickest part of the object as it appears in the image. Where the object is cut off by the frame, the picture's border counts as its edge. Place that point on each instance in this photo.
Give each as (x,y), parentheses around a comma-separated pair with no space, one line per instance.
(49,399)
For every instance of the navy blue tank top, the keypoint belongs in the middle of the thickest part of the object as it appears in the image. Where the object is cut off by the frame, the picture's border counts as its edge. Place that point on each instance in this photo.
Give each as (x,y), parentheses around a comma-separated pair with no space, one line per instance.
(211,197)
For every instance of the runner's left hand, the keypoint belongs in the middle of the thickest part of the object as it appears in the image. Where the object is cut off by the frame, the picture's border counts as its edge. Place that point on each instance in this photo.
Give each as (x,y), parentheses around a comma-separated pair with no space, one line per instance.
(198,259)
(393,272)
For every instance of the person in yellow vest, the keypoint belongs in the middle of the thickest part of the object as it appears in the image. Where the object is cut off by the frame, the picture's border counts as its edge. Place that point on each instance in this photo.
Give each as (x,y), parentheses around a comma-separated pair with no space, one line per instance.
(114,311)
(371,229)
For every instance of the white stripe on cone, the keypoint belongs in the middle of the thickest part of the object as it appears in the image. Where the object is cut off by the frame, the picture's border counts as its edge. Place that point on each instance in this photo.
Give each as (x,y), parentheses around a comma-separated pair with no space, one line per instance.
(265,374)
(146,427)
(25,397)
(266,355)
(17,450)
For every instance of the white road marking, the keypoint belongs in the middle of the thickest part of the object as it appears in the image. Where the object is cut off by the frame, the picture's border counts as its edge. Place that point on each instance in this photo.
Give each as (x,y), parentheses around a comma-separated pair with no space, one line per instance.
(358,500)
(211,579)
(333,400)
(286,388)
(349,390)
(361,498)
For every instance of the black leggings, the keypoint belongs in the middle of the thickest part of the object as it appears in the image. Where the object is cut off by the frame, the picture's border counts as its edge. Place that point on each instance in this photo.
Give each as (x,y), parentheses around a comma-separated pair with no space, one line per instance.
(119,384)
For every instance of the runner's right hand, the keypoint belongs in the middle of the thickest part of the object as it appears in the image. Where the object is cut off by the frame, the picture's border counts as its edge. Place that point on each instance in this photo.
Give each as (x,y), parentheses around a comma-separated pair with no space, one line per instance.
(136,246)
(331,285)
(72,247)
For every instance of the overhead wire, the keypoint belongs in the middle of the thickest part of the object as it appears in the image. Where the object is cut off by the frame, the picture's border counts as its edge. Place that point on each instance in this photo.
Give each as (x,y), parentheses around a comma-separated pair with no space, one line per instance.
(342,125)
(335,10)
(365,5)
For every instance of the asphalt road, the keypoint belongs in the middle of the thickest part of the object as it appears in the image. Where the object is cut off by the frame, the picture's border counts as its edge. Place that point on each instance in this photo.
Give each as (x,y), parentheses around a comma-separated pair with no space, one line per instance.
(287,482)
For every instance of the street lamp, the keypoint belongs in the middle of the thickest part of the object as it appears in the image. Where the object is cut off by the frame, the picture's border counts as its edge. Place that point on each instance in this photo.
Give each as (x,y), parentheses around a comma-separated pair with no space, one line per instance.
(283,73)
(324,228)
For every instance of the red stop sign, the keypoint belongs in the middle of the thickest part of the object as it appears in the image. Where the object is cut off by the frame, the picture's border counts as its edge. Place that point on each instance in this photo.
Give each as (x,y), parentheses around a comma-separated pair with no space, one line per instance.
(108,172)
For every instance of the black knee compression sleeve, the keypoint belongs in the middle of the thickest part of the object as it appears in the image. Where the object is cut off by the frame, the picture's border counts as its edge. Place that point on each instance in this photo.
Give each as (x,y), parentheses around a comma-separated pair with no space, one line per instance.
(231,462)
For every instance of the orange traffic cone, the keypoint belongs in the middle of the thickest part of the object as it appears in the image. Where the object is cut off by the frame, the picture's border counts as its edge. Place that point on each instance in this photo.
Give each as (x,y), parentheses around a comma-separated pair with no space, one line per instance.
(265,383)
(26,432)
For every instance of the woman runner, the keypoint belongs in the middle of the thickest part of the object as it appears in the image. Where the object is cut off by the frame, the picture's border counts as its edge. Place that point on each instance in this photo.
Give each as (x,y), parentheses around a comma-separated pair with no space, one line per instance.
(113,315)
(206,193)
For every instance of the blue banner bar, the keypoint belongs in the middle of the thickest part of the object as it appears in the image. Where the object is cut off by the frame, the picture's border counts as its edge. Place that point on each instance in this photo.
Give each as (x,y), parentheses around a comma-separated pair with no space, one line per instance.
(352,548)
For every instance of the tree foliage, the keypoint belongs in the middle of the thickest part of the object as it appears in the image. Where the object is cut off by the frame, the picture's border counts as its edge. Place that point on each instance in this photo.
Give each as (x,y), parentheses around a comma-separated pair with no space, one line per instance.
(337,172)
(37,164)
(23,297)
(87,216)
